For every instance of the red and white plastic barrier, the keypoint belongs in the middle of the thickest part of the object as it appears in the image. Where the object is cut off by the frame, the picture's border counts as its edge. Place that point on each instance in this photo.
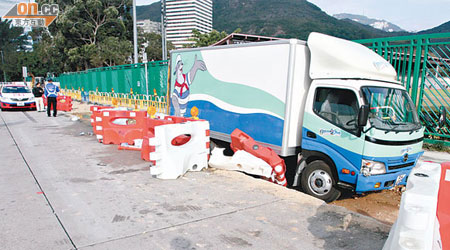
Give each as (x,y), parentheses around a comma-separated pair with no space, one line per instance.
(146,148)
(96,119)
(240,161)
(424,217)
(242,141)
(172,144)
(132,126)
(64,103)
(173,154)
(443,208)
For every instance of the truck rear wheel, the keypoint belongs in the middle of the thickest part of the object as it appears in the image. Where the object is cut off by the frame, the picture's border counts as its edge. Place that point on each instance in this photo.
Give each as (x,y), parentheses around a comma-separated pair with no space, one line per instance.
(317,180)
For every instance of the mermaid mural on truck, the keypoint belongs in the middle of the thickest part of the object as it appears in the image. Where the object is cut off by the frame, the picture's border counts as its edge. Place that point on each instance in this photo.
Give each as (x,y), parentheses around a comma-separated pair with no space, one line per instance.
(226,102)
(180,95)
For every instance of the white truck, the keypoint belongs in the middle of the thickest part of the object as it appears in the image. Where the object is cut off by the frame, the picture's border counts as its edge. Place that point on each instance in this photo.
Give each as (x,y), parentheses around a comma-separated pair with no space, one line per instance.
(333,104)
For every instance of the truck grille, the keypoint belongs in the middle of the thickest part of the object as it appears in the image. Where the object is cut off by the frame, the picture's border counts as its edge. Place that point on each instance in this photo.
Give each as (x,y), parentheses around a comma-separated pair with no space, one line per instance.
(401,166)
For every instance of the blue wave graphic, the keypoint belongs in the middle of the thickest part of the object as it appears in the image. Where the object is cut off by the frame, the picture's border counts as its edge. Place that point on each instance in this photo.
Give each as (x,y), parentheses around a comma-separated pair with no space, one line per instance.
(262,127)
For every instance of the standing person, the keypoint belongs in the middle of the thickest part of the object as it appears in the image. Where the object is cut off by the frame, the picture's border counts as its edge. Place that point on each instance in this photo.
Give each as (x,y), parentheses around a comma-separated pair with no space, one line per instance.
(38,92)
(51,92)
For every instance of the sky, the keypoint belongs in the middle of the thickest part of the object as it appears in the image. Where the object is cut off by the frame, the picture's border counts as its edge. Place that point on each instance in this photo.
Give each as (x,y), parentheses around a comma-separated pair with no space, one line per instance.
(411,15)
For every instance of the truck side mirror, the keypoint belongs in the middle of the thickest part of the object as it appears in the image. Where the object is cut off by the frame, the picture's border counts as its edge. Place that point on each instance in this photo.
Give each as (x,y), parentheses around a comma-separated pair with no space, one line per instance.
(442,117)
(363,115)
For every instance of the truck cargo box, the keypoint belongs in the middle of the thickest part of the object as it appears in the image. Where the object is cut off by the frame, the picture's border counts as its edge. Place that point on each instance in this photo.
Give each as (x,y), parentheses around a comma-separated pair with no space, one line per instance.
(259,88)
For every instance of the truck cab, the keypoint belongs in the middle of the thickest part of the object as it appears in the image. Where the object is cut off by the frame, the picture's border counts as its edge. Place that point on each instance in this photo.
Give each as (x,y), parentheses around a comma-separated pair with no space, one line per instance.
(360,128)
(358,134)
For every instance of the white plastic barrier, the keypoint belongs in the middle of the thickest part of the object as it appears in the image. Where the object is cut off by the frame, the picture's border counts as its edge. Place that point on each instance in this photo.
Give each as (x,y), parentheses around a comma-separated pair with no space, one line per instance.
(240,161)
(417,226)
(174,161)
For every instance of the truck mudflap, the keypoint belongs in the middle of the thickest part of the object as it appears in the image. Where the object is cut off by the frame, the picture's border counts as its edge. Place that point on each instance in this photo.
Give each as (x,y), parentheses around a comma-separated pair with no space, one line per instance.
(382,181)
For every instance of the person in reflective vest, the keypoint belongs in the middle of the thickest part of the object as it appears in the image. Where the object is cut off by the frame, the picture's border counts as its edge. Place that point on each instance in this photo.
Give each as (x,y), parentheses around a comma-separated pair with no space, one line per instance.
(51,92)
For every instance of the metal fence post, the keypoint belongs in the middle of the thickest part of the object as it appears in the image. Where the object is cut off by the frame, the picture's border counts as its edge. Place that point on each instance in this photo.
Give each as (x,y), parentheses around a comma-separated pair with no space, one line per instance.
(417,64)
(410,62)
(424,73)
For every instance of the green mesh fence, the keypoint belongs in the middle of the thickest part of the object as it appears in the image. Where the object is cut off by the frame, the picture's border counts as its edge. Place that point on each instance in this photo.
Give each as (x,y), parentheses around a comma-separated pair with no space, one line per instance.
(120,78)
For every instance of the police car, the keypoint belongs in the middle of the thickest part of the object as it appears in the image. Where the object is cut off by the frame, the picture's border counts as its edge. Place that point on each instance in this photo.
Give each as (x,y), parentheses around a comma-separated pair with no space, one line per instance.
(16,96)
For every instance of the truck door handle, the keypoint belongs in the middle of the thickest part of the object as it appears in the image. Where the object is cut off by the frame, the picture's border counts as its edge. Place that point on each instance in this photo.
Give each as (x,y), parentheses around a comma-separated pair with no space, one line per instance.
(311,134)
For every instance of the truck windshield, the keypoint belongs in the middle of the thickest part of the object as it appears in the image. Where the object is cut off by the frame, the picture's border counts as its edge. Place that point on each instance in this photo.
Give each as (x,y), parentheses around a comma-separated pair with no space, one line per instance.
(391,109)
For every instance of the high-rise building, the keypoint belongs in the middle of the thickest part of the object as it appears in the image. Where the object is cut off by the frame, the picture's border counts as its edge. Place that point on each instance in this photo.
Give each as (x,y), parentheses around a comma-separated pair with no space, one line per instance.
(185,15)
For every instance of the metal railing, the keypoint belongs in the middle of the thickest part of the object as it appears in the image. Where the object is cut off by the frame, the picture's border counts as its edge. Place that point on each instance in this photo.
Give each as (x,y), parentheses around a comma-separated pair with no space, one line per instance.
(132,101)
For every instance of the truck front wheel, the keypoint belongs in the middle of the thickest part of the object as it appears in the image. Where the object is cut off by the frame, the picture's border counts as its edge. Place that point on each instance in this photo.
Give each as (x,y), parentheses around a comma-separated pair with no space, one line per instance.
(317,180)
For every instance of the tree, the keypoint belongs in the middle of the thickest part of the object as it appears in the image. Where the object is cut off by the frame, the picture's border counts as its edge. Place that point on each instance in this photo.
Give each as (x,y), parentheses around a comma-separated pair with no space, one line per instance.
(11,37)
(93,20)
(203,40)
(51,59)
(89,31)
(86,34)
(11,40)
(154,46)
(43,59)
(112,51)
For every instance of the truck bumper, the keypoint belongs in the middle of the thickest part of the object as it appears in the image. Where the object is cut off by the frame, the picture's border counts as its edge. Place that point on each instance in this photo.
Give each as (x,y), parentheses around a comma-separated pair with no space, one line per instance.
(386,181)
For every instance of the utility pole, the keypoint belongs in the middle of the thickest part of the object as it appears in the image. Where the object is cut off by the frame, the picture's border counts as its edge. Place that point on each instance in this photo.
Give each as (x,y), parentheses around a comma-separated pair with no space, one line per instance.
(3,67)
(163,29)
(145,61)
(135,33)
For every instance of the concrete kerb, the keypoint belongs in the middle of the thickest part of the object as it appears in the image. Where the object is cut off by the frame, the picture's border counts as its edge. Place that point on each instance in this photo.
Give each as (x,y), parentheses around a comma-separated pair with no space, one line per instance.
(269,188)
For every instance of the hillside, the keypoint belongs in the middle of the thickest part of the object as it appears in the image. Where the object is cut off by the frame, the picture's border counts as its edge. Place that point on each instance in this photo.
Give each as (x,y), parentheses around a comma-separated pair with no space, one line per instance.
(152,12)
(282,18)
(443,28)
(375,23)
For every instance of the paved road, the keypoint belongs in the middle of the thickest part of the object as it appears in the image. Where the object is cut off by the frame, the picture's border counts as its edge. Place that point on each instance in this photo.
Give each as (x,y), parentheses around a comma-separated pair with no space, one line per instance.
(437,157)
(63,190)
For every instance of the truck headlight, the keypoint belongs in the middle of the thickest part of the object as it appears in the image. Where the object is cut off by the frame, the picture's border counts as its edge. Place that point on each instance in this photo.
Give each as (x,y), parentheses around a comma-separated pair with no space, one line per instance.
(369,168)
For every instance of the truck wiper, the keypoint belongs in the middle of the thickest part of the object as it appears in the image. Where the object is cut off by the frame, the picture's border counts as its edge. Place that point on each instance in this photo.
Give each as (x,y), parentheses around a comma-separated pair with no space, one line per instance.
(416,130)
(394,126)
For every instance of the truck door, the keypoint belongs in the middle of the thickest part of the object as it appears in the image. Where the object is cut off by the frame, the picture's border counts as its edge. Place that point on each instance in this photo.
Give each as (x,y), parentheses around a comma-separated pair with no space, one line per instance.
(334,123)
